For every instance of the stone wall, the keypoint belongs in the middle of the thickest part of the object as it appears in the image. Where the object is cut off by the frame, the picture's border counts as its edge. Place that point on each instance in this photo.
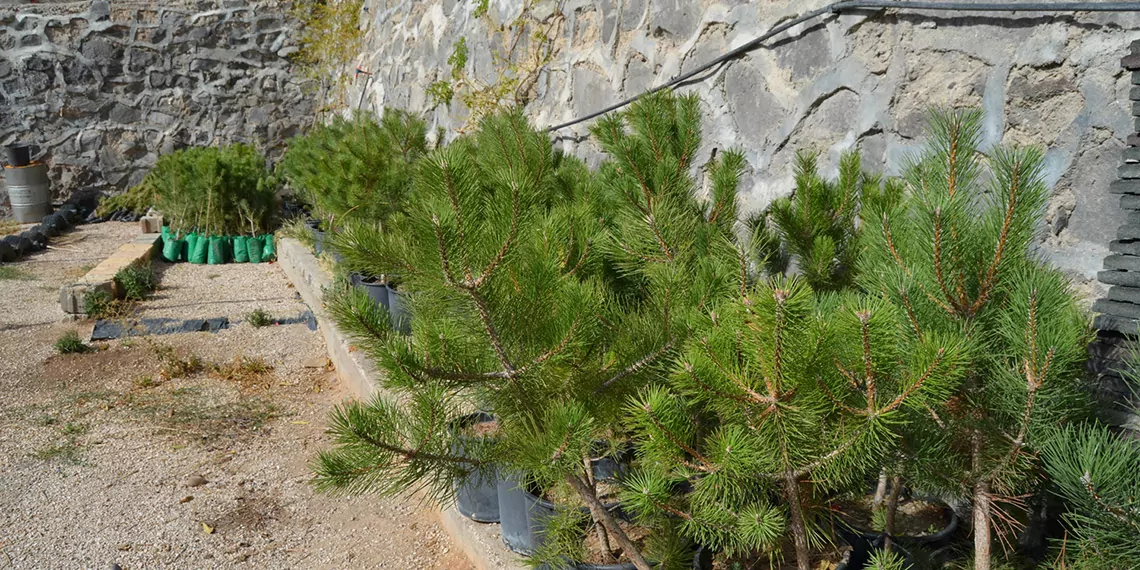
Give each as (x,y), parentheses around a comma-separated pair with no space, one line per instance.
(103,89)
(839,82)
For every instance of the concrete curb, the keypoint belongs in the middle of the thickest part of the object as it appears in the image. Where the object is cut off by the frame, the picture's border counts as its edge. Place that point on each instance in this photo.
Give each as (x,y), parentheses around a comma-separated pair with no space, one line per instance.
(479,542)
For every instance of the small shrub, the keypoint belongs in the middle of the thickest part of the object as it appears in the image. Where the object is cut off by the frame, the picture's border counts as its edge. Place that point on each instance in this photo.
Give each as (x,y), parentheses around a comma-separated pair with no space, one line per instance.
(260,318)
(98,304)
(70,343)
(244,370)
(136,280)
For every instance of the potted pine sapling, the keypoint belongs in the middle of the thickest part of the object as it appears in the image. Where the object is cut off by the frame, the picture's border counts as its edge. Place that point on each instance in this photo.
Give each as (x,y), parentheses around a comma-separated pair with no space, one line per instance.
(955,254)
(498,317)
(818,225)
(781,401)
(356,170)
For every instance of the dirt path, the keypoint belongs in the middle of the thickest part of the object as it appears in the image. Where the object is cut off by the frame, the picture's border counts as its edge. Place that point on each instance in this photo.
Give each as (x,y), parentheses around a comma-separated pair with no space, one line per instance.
(179,451)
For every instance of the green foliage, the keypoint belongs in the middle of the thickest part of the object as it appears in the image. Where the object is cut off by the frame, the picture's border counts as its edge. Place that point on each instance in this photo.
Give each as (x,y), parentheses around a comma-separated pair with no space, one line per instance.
(98,304)
(885,560)
(441,92)
(801,396)
(260,318)
(70,343)
(956,255)
(458,58)
(138,198)
(136,281)
(223,191)
(1095,471)
(537,289)
(818,225)
(359,169)
(330,38)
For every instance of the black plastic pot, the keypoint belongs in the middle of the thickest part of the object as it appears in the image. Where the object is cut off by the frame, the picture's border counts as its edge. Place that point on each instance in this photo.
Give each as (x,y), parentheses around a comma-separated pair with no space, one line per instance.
(71,213)
(18,154)
(19,244)
(477,495)
(398,311)
(57,221)
(855,560)
(520,533)
(611,467)
(377,290)
(7,254)
(48,230)
(318,241)
(36,237)
(934,541)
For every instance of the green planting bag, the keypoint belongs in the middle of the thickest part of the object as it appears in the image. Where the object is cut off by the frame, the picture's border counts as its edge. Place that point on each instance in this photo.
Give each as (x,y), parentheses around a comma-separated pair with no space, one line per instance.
(165,232)
(216,251)
(171,248)
(269,251)
(253,246)
(241,254)
(198,249)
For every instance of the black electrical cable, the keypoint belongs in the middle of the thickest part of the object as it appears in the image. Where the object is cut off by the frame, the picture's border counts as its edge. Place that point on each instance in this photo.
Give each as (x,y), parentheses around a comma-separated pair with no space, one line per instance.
(845,5)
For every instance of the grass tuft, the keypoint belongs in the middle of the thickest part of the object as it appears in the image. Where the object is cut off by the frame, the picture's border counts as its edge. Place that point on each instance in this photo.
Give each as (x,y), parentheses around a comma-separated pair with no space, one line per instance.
(9,273)
(70,343)
(260,318)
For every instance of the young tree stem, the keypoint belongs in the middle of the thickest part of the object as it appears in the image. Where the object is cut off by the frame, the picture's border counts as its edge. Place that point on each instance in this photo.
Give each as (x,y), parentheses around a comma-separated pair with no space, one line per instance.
(603,517)
(799,527)
(892,508)
(880,490)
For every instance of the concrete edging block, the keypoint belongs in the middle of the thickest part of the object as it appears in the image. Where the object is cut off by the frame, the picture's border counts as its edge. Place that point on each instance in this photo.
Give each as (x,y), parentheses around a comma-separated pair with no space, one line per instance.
(479,542)
(72,298)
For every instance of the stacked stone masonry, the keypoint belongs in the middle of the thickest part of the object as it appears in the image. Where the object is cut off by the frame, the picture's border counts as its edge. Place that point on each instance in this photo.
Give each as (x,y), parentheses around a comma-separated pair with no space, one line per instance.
(1118,318)
(862,80)
(104,88)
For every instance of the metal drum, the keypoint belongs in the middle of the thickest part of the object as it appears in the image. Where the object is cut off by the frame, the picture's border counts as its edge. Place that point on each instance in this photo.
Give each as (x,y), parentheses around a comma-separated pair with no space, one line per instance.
(29,192)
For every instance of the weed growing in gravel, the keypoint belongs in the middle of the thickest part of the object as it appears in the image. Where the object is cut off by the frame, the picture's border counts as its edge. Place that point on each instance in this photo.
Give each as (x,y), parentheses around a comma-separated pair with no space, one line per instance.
(72,428)
(67,451)
(45,420)
(12,274)
(147,382)
(98,304)
(260,318)
(243,370)
(175,365)
(70,343)
(136,280)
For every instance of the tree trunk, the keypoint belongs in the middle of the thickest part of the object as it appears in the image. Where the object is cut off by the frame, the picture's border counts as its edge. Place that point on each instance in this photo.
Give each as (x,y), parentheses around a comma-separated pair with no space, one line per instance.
(982,525)
(799,527)
(603,517)
(599,529)
(880,490)
(892,509)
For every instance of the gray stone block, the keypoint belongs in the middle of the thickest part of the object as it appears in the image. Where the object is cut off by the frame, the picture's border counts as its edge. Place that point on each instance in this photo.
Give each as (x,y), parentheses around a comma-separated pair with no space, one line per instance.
(1129,171)
(1125,187)
(1126,294)
(1122,261)
(1128,231)
(1114,277)
(1136,77)
(1130,202)
(1117,308)
(73,298)
(1121,325)
(1131,155)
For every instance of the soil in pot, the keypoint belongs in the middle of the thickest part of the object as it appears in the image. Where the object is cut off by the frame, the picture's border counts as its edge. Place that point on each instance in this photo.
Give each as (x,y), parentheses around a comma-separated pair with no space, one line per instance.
(477,494)
(837,559)
(596,558)
(915,519)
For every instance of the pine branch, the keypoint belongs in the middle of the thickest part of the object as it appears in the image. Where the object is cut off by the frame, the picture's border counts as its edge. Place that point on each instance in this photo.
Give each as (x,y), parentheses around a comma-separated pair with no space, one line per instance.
(752,394)
(511,235)
(917,385)
(601,515)
(692,374)
(449,183)
(991,273)
(636,366)
(705,465)
(492,332)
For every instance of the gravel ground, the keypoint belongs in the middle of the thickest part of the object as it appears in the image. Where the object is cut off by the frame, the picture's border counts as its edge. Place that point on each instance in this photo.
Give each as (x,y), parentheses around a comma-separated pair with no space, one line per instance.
(124,456)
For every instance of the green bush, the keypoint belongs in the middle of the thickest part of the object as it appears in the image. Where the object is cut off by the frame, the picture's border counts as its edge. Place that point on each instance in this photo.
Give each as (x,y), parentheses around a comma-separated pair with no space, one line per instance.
(220,191)
(136,280)
(70,343)
(98,304)
(260,318)
(357,169)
